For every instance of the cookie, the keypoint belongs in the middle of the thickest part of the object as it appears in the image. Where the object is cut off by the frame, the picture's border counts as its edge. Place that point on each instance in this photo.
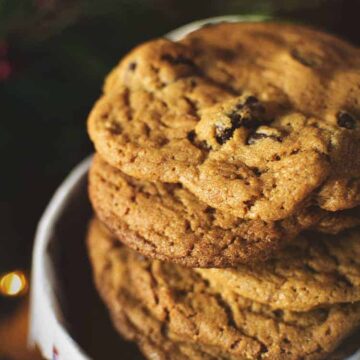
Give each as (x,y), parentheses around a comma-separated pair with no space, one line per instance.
(174,313)
(336,222)
(260,125)
(167,222)
(314,270)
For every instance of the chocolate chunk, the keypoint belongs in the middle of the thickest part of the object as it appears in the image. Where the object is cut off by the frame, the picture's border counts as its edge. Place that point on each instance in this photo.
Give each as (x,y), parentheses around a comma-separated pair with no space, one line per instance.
(249,203)
(251,100)
(248,121)
(235,119)
(191,136)
(114,128)
(224,134)
(345,120)
(132,66)
(247,115)
(210,210)
(256,171)
(252,123)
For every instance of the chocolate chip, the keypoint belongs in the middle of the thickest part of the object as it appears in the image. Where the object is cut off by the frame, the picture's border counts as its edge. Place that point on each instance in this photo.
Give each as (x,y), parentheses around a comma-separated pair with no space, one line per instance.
(191,136)
(254,104)
(235,119)
(114,128)
(223,134)
(210,210)
(305,59)
(251,100)
(246,114)
(345,120)
(254,137)
(256,171)
(178,60)
(249,203)
(251,123)
(132,66)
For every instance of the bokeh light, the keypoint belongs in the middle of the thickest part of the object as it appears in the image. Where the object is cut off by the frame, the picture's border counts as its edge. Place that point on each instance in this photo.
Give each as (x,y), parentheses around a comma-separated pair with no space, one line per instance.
(13,284)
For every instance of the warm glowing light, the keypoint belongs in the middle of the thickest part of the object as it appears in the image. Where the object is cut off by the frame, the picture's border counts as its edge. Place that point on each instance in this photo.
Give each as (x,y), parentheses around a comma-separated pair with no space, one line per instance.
(13,283)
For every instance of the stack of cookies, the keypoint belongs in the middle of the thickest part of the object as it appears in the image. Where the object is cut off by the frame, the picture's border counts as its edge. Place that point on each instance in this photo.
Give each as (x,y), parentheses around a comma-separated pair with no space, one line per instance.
(226,187)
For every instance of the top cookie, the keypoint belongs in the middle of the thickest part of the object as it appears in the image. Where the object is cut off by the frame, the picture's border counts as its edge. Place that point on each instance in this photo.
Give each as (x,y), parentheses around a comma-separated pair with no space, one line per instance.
(258,120)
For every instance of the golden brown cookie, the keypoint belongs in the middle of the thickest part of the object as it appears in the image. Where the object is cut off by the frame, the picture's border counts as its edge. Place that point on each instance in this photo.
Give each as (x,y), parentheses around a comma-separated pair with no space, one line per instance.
(259,125)
(314,270)
(167,222)
(335,222)
(174,313)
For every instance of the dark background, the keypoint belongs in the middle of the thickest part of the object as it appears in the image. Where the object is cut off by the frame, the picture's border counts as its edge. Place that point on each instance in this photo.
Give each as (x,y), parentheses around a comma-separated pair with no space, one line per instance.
(53,58)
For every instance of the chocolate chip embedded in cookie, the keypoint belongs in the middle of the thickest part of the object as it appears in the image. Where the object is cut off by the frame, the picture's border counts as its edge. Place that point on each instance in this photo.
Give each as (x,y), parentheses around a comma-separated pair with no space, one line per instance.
(266,169)
(317,73)
(173,312)
(167,222)
(219,123)
(257,126)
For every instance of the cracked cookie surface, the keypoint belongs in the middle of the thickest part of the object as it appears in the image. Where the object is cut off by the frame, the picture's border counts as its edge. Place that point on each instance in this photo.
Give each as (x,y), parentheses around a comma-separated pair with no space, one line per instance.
(167,222)
(259,125)
(174,313)
(314,270)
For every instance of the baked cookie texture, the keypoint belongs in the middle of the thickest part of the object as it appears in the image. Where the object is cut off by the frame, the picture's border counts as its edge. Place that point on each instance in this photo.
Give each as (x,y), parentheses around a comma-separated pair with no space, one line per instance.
(175,313)
(314,270)
(167,222)
(259,120)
